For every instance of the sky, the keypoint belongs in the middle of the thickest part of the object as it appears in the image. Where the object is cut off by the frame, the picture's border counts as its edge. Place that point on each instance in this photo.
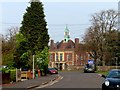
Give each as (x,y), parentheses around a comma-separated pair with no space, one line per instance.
(75,14)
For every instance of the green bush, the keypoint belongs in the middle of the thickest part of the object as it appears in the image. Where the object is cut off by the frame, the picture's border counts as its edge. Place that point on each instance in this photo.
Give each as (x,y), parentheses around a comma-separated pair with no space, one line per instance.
(5,70)
(0,69)
(5,76)
(13,75)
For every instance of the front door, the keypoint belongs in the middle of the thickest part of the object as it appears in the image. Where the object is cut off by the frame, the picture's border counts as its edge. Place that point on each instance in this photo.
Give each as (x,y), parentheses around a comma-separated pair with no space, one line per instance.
(60,66)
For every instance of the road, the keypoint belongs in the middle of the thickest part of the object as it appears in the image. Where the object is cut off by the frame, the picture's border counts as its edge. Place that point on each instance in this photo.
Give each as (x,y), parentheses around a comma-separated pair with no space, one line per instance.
(78,80)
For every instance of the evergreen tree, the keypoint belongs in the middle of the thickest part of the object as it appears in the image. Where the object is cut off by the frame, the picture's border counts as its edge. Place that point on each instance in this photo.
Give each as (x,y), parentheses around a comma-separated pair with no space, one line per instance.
(34,27)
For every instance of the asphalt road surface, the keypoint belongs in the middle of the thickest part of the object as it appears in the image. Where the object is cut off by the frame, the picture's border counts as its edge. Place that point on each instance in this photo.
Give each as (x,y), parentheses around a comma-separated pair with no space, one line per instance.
(78,80)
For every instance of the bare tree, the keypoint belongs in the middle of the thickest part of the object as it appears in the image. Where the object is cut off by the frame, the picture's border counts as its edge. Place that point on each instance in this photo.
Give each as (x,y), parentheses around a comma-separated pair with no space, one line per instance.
(99,33)
(9,45)
(1,49)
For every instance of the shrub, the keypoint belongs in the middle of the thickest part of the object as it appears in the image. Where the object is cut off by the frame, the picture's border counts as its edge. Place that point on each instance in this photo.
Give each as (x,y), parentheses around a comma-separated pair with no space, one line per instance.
(5,76)
(8,75)
(13,75)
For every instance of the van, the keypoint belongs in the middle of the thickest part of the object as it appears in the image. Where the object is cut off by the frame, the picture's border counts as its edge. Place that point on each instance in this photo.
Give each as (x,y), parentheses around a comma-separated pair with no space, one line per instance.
(89,68)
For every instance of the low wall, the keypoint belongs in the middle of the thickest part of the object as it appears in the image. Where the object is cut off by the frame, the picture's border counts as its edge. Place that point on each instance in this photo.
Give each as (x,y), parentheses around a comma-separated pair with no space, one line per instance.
(107,68)
(79,68)
(100,68)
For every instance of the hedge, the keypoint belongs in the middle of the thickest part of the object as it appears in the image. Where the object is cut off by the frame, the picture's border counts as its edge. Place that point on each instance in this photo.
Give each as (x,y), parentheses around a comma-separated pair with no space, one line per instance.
(10,75)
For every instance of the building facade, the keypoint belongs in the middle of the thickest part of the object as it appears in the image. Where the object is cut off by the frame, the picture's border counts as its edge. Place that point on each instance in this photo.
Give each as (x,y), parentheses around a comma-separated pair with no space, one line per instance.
(67,53)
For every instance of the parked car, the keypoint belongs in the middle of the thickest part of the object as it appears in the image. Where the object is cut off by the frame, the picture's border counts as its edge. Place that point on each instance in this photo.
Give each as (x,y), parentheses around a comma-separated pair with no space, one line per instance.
(89,68)
(112,80)
(52,71)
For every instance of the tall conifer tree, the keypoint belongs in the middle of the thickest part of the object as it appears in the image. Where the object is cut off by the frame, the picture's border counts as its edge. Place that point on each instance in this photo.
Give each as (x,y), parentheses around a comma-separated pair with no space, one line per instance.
(34,27)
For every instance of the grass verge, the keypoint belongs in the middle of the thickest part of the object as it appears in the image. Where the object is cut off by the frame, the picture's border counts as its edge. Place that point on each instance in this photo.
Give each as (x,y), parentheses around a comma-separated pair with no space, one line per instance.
(102,72)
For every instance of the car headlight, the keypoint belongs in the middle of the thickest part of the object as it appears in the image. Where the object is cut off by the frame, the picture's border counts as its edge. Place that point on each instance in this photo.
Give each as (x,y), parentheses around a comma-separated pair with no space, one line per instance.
(107,83)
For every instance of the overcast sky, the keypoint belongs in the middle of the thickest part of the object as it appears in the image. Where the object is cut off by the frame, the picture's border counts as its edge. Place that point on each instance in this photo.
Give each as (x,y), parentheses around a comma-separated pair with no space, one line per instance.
(76,15)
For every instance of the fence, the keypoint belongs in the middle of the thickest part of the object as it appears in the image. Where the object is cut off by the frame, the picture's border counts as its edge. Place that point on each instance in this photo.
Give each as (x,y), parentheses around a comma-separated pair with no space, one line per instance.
(24,75)
(16,75)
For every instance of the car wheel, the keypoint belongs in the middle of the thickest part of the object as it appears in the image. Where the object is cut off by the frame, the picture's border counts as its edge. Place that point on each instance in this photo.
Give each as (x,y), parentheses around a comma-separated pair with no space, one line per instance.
(50,72)
(103,87)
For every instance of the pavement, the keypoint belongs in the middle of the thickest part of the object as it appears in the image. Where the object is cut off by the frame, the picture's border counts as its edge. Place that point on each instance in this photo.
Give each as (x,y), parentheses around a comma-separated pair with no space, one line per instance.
(31,84)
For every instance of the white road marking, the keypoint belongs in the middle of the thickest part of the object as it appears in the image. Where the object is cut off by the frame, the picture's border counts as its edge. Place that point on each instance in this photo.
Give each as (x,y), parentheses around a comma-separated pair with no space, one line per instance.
(50,83)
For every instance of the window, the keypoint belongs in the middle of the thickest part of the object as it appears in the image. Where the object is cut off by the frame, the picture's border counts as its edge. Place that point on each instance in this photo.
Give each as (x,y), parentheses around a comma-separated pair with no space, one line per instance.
(81,57)
(77,57)
(65,40)
(68,57)
(84,57)
(66,33)
(61,56)
(56,56)
(51,57)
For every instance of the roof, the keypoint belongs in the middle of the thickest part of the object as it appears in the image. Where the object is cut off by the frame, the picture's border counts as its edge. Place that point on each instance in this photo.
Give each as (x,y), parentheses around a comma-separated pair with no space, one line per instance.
(67,46)
(70,45)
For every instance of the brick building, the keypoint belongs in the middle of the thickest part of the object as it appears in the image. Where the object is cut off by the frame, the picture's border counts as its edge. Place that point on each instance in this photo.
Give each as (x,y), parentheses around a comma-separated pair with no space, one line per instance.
(67,53)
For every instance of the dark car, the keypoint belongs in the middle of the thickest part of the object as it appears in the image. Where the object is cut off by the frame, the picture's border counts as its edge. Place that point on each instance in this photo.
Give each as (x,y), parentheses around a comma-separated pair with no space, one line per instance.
(112,80)
(52,71)
(89,68)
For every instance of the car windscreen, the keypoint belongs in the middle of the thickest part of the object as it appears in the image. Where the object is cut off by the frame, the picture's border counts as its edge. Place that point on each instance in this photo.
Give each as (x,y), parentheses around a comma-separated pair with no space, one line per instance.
(89,66)
(52,69)
(114,74)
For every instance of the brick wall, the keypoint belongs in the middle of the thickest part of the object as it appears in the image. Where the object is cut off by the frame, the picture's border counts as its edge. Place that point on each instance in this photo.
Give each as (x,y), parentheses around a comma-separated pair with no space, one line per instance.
(101,68)
(107,68)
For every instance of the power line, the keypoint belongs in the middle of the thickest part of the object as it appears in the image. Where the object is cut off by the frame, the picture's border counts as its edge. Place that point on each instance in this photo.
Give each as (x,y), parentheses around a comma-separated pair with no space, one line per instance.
(4,23)
(8,23)
(67,24)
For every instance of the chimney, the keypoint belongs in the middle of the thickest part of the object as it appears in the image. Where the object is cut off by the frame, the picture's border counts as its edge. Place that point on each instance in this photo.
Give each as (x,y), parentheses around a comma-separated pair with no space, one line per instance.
(52,44)
(76,42)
